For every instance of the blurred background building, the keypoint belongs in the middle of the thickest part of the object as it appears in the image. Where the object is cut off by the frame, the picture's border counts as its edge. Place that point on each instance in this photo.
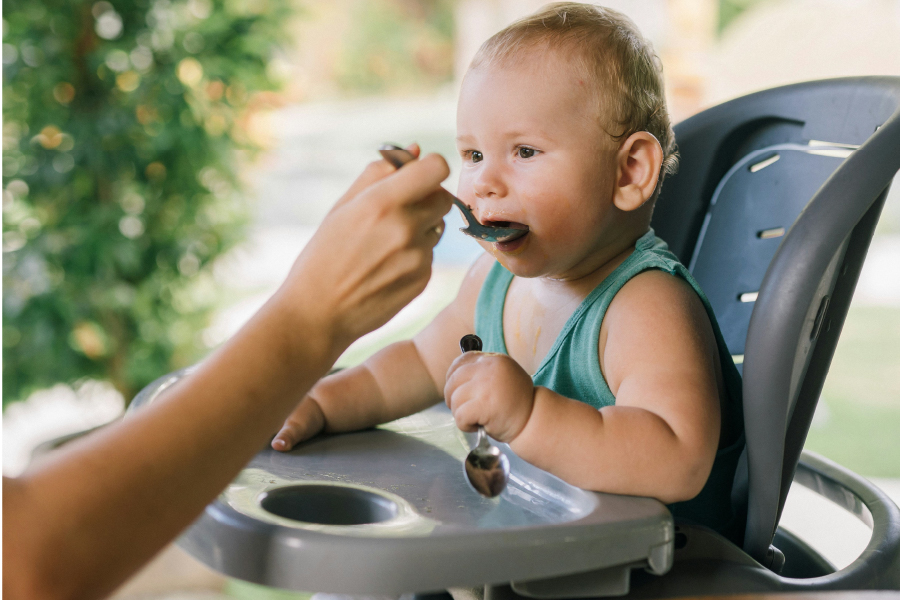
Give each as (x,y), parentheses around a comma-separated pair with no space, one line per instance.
(347,75)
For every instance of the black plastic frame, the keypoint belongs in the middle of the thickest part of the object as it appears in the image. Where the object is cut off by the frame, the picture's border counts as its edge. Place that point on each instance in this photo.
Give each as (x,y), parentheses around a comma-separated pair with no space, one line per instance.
(806,292)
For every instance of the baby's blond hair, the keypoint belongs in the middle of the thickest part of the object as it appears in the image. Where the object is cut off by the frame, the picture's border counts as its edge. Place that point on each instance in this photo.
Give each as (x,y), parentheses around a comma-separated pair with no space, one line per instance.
(610,50)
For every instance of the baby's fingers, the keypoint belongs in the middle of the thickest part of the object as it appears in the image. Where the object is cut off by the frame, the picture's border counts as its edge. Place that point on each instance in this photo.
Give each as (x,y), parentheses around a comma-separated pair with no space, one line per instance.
(304,422)
(458,374)
(467,414)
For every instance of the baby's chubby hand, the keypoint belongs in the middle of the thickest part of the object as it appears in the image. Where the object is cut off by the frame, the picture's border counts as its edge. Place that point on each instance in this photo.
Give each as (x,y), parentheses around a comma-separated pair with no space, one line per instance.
(490,390)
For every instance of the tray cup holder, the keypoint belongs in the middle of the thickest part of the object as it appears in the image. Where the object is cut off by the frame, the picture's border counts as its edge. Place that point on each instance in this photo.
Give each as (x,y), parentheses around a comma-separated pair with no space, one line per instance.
(329,505)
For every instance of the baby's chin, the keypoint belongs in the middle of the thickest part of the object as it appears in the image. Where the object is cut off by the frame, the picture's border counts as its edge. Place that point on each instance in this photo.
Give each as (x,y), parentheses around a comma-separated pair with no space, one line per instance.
(517,262)
(506,252)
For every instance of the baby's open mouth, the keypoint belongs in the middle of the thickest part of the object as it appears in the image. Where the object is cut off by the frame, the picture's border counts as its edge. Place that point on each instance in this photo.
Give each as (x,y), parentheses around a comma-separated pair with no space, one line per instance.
(507,224)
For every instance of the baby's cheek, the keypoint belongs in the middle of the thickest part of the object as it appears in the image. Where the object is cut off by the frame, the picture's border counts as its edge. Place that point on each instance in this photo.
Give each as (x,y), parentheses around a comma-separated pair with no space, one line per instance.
(464,190)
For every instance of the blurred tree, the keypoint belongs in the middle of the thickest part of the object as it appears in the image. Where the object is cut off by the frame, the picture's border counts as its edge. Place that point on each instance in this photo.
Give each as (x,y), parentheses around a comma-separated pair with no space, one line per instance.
(398,45)
(122,124)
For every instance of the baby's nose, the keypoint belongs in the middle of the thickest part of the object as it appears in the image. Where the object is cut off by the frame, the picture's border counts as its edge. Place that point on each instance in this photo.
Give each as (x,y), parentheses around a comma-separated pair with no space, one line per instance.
(490,182)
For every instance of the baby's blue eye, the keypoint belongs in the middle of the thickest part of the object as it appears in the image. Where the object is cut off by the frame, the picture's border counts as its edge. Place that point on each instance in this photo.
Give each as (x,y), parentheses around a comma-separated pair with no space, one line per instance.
(476,156)
(524,152)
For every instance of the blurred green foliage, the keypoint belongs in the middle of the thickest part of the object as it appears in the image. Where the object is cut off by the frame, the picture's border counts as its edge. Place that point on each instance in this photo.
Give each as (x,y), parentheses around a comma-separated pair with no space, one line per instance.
(858,415)
(729,10)
(397,46)
(122,127)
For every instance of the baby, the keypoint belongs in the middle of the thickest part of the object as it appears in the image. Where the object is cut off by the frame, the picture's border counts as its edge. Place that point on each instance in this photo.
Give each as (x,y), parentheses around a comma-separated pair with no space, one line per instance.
(599,344)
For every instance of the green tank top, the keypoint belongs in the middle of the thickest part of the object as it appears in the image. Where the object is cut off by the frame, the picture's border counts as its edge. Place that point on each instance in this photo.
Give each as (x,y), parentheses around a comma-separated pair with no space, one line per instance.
(572,369)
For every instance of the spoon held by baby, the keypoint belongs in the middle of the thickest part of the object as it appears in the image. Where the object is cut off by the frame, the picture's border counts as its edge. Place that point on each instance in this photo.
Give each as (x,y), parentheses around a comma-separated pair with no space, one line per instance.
(486,468)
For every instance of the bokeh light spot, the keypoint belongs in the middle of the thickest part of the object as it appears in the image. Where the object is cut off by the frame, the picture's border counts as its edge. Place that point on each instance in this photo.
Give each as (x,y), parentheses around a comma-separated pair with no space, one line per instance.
(189,265)
(128,81)
(216,125)
(145,114)
(193,42)
(142,58)
(89,339)
(131,227)
(64,92)
(50,137)
(190,72)
(18,188)
(132,203)
(117,60)
(200,8)
(155,171)
(63,163)
(109,25)
(215,90)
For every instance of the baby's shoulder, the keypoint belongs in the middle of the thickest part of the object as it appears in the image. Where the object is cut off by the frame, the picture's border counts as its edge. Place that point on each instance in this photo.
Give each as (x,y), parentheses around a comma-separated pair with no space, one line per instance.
(655,298)
(656,284)
(656,323)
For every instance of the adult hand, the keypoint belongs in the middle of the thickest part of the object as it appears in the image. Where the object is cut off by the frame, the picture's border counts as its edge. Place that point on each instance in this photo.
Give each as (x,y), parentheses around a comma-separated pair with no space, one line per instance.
(491,390)
(373,252)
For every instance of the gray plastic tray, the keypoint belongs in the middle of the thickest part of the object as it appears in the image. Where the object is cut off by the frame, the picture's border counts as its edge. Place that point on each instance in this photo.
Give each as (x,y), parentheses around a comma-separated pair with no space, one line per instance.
(388,511)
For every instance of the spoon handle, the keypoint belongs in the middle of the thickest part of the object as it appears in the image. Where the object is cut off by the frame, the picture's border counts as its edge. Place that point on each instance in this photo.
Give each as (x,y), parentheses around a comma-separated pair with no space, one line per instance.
(472,343)
(395,155)
(482,439)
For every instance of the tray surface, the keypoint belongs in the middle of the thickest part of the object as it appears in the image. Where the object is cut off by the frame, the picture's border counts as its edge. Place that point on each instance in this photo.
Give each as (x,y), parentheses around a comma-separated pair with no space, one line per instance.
(416,461)
(388,510)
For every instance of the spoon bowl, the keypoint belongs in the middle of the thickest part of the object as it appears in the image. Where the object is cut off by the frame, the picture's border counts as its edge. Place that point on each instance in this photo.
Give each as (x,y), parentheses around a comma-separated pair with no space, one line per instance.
(398,157)
(487,469)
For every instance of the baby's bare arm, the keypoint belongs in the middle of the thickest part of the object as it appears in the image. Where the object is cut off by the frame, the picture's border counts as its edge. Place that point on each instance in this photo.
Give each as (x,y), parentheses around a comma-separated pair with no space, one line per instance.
(361,396)
(659,357)
(399,380)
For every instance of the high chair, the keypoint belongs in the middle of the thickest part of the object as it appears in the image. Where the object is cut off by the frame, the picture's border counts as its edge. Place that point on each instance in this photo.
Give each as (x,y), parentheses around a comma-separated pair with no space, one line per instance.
(773,213)
(773,210)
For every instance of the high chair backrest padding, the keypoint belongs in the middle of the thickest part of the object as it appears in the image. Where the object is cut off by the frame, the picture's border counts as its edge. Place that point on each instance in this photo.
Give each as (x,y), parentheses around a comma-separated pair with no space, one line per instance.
(773,209)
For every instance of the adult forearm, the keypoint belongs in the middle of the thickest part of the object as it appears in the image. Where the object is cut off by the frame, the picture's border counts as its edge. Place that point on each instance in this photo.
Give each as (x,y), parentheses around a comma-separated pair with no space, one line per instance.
(112,500)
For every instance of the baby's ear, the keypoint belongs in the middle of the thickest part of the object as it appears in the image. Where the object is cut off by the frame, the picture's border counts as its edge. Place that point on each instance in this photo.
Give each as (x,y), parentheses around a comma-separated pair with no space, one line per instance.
(637,170)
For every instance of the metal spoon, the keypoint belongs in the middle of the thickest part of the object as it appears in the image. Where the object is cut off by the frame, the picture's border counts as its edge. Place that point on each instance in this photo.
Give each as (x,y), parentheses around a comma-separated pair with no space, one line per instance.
(487,469)
(398,157)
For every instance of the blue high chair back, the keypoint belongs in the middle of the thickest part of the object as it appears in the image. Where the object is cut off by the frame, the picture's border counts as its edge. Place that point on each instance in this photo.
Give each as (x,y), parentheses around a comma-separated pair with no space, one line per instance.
(773,211)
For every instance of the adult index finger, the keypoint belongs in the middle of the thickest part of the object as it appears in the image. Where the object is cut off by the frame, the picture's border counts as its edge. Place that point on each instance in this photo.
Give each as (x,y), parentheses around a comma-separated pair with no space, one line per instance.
(374,172)
(415,181)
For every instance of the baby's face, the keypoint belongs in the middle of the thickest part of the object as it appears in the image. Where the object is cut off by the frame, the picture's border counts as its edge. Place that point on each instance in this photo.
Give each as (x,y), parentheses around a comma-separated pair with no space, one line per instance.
(534,153)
